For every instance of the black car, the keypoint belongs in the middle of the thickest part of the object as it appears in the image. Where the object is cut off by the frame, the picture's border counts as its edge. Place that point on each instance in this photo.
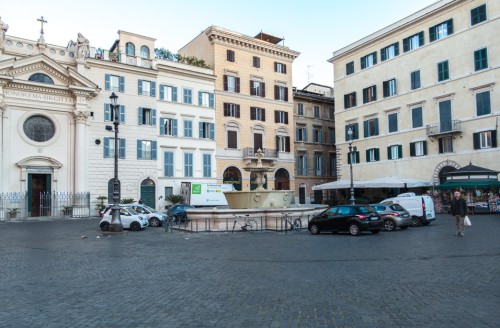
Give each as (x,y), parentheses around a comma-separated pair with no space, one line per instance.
(349,218)
(178,212)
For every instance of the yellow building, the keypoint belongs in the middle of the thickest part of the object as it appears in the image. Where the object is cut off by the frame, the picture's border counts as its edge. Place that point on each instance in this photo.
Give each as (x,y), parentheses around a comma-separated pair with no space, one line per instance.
(420,95)
(254,104)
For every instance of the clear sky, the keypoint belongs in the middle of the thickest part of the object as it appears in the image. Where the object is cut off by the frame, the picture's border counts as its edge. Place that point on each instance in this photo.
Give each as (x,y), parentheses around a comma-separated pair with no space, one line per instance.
(315,28)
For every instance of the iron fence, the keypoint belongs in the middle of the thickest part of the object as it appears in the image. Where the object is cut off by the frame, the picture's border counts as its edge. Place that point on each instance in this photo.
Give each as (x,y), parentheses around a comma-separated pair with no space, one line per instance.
(22,206)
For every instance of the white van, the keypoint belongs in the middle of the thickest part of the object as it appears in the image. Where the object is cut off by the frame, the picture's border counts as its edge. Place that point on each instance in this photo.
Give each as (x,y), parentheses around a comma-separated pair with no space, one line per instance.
(421,208)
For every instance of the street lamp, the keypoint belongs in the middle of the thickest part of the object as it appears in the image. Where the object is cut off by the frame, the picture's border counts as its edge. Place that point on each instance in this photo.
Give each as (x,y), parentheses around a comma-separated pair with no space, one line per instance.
(350,133)
(116,222)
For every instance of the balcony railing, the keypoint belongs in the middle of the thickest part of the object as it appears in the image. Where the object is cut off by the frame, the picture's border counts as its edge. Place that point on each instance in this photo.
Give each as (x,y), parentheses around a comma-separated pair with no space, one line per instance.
(251,152)
(438,128)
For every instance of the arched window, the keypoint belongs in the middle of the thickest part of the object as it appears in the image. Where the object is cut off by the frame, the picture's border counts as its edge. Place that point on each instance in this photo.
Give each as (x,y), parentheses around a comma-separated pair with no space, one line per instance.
(145,52)
(130,49)
(232,176)
(42,78)
(282,180)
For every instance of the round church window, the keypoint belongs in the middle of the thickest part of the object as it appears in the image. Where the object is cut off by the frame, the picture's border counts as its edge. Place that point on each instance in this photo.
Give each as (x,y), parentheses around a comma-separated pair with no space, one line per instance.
(39,128)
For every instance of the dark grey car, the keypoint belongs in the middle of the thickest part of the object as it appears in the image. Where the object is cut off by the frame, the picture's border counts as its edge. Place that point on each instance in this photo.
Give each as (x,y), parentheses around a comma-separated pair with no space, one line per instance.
(394,216)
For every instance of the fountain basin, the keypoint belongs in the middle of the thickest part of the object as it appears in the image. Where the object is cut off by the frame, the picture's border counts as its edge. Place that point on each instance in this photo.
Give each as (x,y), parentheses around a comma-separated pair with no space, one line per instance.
(259,199)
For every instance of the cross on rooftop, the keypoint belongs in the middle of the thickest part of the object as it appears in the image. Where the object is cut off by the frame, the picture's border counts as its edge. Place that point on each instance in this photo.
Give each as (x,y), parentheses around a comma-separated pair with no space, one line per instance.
(41,20)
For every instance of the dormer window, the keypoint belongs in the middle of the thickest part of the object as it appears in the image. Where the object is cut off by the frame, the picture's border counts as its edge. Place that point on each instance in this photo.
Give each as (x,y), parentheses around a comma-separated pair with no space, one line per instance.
(130,49)
(145,52)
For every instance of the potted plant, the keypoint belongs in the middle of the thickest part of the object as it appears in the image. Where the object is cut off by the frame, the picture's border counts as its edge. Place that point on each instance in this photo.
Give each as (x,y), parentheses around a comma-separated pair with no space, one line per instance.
(100,206)
(67,210)
(99,53)
(13,212)
(114,55)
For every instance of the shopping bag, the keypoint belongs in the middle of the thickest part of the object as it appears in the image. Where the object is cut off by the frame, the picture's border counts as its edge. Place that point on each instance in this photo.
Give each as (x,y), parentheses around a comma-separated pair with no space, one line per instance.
(467,222)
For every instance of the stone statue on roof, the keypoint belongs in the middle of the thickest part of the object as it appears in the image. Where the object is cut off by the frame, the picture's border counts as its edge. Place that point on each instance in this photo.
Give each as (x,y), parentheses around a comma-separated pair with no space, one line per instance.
(83,46)
(3,29)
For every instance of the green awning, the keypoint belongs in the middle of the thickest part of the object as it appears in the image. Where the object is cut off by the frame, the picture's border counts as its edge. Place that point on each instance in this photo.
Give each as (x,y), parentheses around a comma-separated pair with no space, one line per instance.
(468,184)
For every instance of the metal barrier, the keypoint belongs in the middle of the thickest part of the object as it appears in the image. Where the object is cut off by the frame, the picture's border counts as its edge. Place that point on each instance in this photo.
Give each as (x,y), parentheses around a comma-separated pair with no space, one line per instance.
(275,224)
(45,205)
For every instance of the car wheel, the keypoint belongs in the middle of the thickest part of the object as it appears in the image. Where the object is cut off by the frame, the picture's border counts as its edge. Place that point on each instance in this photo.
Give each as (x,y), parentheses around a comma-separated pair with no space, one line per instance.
(354,229)
(375,231)
(154,222)
(314,229)
(104,226)
(415,221)
(135,226)
(404,227)
(389,225)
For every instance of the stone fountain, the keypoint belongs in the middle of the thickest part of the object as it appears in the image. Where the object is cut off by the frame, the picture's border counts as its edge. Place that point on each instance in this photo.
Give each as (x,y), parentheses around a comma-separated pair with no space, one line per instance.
(260,197)
(268,206)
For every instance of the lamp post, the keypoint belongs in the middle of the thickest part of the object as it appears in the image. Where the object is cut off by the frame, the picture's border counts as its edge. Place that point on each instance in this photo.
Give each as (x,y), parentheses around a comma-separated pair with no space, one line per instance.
(350,133)
(116,222)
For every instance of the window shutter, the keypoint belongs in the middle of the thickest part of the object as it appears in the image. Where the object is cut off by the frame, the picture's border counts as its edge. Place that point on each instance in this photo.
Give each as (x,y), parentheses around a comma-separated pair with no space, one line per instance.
(107,112)
(284,68)
(162,92)
(277,139)
(237,111)
(363,62)
(106,147)
(356,156)
(425,147)
(441,145)
(396,49)
(376,126)
(450,26)
(252,89)
(432,33)
(421,39)
(382,54)
(139,86)
(263,94)
(122,148)
(305,134)
(226,109)
(346,102)
(297,131)
(365,129)
(200,129)
(287,144)
(263,114)
(174,127)
(406,45)
(286,93)
(412,149)
(368,159)
(286,117)
(200,97)
(389,154)
(122,114)
(154,145)
(140,115)
(252,113)
(212,131)
(374,58)
(356,130)
(139,149)
(377,154)
(237,84)
(385,87)
(400,151)
(174,94)
(225,82)
(153,116)
(475,138)
(162,126)
(276,116)
(275,66)
(106,82)
(211,100)
(121,87)
(276,92)
(153,89)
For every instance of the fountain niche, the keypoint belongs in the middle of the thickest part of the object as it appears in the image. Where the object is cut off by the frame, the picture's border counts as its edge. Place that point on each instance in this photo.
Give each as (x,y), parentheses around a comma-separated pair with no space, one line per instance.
(260,197)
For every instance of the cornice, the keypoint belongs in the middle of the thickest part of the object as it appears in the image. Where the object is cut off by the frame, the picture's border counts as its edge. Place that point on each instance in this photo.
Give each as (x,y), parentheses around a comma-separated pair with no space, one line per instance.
(219,36)
(36,88)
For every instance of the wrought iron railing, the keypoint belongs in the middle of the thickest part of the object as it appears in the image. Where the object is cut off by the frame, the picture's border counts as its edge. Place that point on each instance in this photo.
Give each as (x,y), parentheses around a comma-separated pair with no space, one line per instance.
(455,126)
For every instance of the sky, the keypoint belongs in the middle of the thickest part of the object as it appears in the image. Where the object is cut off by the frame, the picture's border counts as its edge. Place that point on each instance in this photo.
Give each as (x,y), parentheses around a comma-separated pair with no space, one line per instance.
(315,28)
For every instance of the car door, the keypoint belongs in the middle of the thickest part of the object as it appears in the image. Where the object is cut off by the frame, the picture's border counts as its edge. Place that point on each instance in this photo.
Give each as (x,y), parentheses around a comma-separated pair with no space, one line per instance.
(126,218)
(327,221)
(342,218)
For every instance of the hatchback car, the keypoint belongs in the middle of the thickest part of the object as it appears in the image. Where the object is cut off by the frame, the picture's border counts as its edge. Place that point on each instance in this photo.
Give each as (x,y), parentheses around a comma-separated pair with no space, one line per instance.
(349,218)
(129,218)
(394,216)
(155,219)
(178,211)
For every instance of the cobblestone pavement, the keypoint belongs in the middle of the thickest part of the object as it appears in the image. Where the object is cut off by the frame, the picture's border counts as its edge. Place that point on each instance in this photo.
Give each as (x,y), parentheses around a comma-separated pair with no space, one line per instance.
(426,276)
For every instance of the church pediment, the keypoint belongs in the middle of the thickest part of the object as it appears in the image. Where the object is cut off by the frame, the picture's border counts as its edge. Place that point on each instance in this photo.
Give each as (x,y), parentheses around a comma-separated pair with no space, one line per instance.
(43,72)
(39,161)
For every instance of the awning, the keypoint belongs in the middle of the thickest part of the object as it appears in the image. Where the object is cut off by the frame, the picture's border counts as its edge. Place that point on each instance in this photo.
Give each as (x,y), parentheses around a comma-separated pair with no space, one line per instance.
(383,182)
(469,184)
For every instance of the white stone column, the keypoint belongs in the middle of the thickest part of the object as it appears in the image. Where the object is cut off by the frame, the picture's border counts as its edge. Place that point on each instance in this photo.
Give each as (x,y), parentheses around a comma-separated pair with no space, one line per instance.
(80,149)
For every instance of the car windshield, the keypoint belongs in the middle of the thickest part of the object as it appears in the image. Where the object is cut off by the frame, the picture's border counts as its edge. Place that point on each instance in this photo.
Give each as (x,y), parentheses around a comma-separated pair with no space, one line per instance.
(149,208)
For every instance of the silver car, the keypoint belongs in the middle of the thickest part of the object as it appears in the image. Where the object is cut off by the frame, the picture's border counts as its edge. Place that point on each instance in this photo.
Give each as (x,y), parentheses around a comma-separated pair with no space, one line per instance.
(394,216)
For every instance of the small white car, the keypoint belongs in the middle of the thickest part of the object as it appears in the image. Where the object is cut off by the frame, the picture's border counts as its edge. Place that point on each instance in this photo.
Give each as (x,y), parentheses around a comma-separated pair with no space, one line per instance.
(129,218)
(155,219)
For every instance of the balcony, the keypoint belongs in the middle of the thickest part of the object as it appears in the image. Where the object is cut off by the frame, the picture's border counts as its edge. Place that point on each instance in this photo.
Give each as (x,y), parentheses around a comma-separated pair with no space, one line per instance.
(438,129)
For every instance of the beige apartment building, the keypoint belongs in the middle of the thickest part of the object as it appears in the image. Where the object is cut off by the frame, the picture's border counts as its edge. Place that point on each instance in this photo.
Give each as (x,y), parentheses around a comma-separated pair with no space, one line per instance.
(254,104)
(421,95)
(315,154)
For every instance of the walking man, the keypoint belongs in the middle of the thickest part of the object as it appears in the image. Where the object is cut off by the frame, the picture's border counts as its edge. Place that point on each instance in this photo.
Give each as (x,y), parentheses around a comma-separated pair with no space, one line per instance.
(459,211)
